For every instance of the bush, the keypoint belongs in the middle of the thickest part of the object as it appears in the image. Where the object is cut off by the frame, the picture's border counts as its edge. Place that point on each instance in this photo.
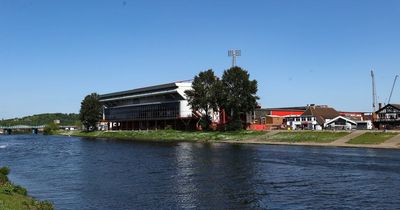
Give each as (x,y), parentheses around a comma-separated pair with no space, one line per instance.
(20,190)
(39,205)
(5,170)
(7,188)
(3,179)
(234,125)
(205,122)
(50,128)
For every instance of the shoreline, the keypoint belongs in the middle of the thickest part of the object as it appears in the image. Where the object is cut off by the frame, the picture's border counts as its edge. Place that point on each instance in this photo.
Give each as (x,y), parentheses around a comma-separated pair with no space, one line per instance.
(245,137)
(15,197)
(369,146)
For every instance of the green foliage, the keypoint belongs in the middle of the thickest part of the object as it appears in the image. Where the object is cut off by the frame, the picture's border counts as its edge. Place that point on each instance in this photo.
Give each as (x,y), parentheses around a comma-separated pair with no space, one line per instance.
(238,93)
(38,205)
(91,111)
(204,95)
(15,197)
(3,179)
(235,93)
(205,122)
(42,119)
(5,170)
(7,188)
(20,190)
(234,125)
(50,128)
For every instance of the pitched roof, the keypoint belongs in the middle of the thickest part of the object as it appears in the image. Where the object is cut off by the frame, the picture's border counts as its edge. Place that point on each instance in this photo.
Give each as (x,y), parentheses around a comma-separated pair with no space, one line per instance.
(397,106)
(321,113)
(340,117)
(167,86)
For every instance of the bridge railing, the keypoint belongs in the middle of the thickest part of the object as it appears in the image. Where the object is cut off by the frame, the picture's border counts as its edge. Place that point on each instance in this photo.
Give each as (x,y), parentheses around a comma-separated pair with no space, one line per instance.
(22,127)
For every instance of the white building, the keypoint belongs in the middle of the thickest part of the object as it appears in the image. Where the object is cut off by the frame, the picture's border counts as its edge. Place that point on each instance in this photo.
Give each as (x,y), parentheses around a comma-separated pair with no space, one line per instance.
(314,118)
(340,123)
(154,107)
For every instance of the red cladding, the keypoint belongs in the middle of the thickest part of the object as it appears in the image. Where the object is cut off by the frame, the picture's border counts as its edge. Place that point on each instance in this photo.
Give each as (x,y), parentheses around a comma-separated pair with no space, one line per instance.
(286,112)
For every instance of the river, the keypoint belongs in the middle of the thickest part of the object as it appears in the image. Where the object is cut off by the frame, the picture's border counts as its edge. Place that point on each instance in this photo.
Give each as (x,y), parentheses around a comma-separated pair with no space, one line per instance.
(79,173)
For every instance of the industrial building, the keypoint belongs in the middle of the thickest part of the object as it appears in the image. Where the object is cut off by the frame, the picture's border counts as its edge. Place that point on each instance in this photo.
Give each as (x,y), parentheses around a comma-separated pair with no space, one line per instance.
(155,107)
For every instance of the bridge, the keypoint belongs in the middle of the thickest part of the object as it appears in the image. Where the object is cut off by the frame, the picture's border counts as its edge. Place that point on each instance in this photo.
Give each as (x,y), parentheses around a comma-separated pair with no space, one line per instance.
(9,129)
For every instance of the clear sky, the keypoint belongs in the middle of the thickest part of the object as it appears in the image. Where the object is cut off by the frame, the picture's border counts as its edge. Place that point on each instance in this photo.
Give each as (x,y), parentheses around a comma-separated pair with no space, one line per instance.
(53,53)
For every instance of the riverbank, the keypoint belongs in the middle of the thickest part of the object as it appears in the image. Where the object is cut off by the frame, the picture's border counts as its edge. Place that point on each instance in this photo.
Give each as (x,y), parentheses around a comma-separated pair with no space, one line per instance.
(169,135)
(367,139)
(358,139)
(14,197)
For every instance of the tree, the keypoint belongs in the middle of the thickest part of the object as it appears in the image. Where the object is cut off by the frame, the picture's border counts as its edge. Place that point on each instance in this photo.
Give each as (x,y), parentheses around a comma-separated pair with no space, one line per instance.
(239,94)
(204,95)
(50,128)
(91,111)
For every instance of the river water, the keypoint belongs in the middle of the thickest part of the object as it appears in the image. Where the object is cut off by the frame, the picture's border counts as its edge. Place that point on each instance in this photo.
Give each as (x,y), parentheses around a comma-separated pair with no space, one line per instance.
(79,173)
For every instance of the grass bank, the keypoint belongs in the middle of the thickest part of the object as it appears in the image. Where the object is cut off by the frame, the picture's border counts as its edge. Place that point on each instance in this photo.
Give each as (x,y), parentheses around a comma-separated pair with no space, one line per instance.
(307,136)
(14,197)
(170,135)
(372,138)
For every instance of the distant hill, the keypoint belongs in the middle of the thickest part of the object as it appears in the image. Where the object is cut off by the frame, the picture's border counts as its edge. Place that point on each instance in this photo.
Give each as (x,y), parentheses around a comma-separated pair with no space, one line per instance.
(43,119)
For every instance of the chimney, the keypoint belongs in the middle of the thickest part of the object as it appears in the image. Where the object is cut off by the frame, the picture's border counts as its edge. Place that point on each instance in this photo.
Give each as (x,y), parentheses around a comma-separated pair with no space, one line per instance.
(380,105)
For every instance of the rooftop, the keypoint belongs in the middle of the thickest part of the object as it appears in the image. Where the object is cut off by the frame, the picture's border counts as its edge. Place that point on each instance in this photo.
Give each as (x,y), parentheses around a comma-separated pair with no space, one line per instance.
(167,86)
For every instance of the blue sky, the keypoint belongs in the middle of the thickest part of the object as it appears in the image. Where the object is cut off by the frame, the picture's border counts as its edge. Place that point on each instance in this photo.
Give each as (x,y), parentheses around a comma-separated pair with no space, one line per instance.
(53,53)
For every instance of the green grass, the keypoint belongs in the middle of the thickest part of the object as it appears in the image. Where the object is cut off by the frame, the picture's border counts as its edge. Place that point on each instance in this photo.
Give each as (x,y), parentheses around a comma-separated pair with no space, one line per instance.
(13,201)
(14,197)
(307,136)
(20,202)
(170,135)
(372,138)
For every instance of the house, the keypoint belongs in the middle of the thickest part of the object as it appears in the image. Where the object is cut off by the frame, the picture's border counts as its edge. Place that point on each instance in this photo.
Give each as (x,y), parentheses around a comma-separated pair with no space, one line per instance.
(363,119)
(314,118)
(388,117)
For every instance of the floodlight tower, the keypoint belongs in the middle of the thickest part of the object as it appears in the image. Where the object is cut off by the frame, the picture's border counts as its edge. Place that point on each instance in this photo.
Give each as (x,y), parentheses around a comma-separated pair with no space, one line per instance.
(374,101)
(234,54)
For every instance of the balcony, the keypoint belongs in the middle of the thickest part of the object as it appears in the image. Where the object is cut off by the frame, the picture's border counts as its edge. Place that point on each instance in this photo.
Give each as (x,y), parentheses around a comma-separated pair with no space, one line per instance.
(387,119)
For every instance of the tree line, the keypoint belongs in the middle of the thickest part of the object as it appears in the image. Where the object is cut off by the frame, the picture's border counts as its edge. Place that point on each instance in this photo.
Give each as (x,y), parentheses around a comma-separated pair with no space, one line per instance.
(43,119)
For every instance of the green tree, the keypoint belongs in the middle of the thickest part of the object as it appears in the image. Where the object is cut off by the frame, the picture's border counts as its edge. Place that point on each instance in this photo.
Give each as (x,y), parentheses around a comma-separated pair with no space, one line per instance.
(204,95)
(91,111)
(238,95)
(50,128)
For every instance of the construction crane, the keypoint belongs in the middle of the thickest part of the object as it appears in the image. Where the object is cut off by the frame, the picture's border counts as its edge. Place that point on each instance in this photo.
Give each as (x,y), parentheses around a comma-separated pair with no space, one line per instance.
(391,91)
(373,91)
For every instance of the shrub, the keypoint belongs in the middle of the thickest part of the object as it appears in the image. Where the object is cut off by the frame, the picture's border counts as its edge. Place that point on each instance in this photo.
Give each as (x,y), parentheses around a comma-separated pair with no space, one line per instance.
(3,179)
(7,188)
(5,170)
(50,128)
(205,122)
(234,125)
(39,205)
(20,190)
